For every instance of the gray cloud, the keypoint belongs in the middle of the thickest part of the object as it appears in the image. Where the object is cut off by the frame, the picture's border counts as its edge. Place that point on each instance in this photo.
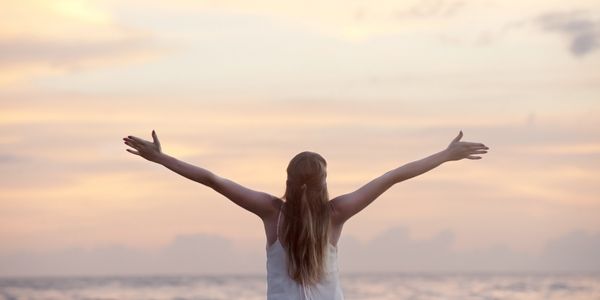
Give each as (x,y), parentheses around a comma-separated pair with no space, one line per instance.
(580,28)
(391,251)
(575,250)
(199,254)
(9,159)
(395,251)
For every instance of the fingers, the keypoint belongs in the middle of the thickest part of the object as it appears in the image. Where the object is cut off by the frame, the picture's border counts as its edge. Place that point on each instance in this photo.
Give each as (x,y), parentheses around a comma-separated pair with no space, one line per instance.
(479,152)
(137,139)
(458,137)
(473,157)
(133,151)
(132,143)
(474,144)
(155,138)
(475,148)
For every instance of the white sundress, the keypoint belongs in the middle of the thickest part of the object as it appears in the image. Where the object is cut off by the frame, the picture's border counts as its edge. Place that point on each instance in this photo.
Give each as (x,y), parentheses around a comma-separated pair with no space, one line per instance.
(281,287)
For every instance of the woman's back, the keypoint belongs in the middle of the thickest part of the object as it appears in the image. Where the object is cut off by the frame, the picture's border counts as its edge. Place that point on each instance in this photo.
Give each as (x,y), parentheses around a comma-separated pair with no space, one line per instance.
(280,286)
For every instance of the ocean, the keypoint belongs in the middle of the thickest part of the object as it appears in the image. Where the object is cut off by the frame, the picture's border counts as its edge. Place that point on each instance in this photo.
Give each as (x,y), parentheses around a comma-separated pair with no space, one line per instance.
(355,286)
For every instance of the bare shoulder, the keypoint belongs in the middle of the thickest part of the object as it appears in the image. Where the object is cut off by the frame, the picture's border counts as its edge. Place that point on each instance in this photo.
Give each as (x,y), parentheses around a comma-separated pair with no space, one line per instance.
(274,207)
(337,219)
(337,223)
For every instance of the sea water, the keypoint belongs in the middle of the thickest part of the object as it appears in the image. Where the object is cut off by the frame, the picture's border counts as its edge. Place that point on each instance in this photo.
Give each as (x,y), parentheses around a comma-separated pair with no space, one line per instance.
(354,286)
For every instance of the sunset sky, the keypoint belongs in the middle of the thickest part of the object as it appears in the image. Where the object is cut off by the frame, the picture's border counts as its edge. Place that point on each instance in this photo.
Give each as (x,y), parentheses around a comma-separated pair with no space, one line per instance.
(240,87)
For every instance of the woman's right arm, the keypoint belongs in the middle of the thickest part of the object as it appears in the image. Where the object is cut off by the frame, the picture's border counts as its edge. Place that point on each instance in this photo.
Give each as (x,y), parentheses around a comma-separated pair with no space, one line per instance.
(347,205)
(260,203)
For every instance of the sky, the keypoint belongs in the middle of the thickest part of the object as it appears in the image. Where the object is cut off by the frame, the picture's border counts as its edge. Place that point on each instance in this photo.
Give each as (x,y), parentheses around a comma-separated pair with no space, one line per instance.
(240,87)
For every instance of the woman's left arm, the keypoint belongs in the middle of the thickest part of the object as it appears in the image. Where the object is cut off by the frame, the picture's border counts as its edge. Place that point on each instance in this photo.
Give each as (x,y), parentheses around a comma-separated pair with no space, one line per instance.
(260,203)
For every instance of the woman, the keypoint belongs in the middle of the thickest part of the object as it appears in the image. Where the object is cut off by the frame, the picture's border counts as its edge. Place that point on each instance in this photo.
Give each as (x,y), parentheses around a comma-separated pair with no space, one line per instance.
(304,226)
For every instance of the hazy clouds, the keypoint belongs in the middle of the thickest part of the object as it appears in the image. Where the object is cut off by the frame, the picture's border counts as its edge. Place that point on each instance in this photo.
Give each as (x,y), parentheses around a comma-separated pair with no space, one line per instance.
(581,28)
(391,251)
(240,87)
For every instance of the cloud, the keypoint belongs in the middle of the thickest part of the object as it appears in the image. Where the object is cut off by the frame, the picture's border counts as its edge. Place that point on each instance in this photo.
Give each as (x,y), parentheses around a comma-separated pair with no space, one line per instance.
(9,159)
(27,58)
(67,53)
(580,28)
(349,22)
(206,254)
(392,251)
(575,250)
(431,8)
(196,253)
(84,159)
(40,38)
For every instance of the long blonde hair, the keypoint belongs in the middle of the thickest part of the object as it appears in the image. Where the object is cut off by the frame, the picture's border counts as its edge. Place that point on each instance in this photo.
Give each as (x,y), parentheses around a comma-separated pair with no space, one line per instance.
(305,229)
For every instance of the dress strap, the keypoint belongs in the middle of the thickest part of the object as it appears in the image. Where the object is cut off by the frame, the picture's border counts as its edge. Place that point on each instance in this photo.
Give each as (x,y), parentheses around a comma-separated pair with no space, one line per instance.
(306,292)
(279,218)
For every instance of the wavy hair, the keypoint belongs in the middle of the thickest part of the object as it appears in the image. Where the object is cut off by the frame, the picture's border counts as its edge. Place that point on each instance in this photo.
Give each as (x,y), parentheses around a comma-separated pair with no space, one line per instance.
(305,230)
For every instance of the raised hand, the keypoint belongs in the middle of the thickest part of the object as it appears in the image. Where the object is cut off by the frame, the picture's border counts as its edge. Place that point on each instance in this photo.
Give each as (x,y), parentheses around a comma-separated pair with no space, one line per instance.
(458,150)
(146,149)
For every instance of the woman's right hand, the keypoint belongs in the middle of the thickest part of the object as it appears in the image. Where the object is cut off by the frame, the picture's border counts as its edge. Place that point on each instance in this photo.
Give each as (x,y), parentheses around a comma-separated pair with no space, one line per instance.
(458,150)
(146,149)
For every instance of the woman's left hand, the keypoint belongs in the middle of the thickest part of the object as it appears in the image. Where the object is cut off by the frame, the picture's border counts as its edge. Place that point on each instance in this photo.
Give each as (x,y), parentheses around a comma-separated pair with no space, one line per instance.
(146,149)
(458,150)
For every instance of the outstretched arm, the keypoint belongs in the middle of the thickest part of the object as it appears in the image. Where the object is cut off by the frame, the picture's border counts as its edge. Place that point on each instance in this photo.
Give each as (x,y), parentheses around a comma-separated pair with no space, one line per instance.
(347,205)
(259,203)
